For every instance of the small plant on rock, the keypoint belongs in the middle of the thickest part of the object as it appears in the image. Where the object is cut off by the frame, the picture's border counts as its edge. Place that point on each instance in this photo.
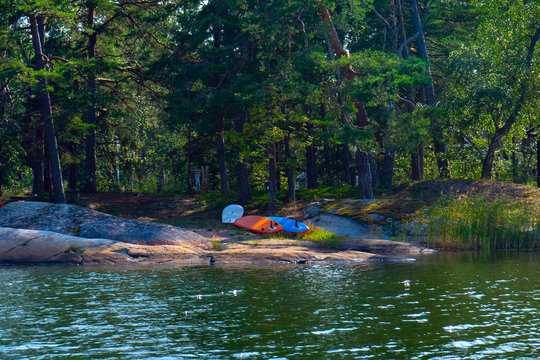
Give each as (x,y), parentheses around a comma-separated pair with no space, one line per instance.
(324,238)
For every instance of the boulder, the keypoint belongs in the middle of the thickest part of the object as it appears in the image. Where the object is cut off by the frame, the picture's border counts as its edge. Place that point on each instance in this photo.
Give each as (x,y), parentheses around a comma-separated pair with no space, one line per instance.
(82,222)
(341,225)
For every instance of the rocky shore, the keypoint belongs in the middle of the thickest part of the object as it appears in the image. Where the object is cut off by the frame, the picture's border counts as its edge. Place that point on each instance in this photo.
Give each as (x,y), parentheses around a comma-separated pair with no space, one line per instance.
(43,233)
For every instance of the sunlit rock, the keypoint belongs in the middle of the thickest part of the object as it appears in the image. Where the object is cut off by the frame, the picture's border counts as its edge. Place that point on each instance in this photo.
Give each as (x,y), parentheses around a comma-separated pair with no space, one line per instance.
(87,223)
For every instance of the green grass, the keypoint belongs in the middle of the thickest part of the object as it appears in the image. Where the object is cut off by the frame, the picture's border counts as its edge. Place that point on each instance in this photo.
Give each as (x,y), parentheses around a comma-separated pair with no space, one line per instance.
(478,222)
(323,238)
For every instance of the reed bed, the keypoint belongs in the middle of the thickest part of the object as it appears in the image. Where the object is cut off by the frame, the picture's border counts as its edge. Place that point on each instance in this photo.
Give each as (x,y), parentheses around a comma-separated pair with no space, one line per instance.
(481,223)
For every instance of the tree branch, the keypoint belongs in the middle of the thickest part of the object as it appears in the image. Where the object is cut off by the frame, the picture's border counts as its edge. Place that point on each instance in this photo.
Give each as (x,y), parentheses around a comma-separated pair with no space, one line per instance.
(531,47)
(381,17)
(405,43)
(410,105)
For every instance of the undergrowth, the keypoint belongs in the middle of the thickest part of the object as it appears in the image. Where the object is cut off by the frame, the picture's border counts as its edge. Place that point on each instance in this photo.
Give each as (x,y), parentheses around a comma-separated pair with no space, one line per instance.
(323,238)
(476,222)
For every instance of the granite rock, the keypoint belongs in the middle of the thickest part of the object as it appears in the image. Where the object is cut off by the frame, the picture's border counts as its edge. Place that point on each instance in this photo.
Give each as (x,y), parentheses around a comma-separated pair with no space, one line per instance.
(21,246)
(83,222)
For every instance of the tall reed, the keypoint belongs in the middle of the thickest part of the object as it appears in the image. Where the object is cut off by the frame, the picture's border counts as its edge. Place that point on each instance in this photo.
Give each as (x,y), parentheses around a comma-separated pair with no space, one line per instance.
(476,222)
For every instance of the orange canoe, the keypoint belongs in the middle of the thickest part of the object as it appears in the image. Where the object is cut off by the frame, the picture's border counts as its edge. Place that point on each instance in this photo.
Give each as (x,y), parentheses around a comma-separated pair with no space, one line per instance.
(258,224)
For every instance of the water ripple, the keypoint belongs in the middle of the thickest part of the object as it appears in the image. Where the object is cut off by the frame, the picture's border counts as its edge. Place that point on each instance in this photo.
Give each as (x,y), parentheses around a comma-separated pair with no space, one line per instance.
(452,305)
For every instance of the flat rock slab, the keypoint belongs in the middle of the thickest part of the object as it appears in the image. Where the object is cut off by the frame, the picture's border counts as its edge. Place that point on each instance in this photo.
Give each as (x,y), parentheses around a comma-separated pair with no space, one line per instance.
(386,247)
(300,252)
(21,246)
(297,255)
(91,224)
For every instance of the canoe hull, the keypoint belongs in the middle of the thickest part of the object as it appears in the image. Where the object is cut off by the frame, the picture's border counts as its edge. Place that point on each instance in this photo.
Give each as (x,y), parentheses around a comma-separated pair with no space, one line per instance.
(290,225)
(231,213)
(258,224)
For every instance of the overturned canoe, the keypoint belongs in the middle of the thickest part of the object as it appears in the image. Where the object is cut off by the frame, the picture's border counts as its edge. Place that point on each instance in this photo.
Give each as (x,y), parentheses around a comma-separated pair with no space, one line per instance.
(231,213)
(258,224)
(290,225)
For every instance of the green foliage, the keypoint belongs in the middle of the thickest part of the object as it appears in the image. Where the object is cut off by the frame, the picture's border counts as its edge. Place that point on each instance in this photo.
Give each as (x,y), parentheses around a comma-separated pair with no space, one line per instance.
(494,90)
(477,222)
(323,238)
(216,245)
(173,75)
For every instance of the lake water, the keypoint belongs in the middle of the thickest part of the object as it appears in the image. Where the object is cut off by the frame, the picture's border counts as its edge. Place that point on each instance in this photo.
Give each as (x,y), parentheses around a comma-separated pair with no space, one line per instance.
(444,306)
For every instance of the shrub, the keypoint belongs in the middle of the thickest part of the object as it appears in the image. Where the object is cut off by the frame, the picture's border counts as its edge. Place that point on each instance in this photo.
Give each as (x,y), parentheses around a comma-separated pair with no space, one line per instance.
(324,238)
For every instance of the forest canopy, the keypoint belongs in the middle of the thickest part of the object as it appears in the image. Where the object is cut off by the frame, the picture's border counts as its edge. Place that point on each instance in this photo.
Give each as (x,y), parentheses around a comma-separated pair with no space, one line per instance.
(134,95)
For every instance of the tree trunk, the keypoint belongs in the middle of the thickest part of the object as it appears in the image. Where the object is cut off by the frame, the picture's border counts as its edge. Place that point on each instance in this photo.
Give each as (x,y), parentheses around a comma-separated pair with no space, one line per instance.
(242,169)
(72,177)
(394,27)
(243,183)
(46,113)
(220,140)
(47,183)
(188,172)
(403,47)
(364,175)
(161,180)
(327,166)
(41,25)
(422,50)
(272,179)
(538,156)
(375,179)
(36,107)
(311,172)
(514,163)
(387,170)
(417,163)
(487,162)
(38,174)
(353,175)
(431,99)
(72,169)
(38,164)
(277,161)
(347,163)
(90,159)
(290,170)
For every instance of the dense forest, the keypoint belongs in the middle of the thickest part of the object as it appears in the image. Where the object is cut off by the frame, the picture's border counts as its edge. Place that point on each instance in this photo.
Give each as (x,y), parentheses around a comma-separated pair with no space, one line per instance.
(133,95)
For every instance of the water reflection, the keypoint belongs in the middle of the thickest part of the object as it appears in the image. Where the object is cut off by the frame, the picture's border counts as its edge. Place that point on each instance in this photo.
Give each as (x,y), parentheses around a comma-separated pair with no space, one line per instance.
(444,306)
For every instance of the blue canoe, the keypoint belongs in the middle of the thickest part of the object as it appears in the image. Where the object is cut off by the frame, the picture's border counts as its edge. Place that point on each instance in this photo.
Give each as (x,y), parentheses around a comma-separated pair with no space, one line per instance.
(290,225)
